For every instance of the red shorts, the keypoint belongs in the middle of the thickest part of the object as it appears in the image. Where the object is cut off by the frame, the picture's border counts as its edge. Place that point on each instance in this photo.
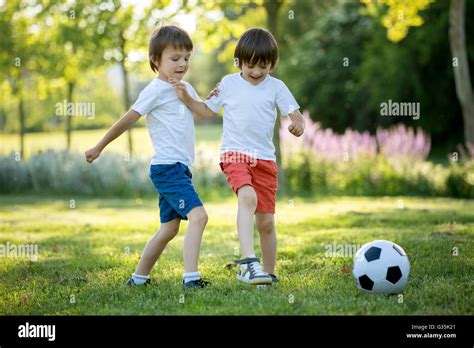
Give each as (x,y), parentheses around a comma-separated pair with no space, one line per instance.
(262,175)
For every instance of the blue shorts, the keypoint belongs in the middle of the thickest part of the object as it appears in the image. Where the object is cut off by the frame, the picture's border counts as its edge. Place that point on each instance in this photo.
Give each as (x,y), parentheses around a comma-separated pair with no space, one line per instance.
(176,194)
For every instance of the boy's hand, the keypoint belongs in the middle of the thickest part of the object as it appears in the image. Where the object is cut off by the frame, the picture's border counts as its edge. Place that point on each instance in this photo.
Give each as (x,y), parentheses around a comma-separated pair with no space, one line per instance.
(297,123)
(92,154)
(296,128)
(180,89)
(214,93)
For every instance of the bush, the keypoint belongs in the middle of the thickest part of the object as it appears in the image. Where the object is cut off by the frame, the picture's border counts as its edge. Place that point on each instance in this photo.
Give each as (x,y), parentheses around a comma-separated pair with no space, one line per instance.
(307,173)
(64,173)
(391,162)
(460,181)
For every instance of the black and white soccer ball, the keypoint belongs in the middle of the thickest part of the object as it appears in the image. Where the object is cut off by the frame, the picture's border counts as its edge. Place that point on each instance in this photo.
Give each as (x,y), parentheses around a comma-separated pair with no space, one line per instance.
(381,267)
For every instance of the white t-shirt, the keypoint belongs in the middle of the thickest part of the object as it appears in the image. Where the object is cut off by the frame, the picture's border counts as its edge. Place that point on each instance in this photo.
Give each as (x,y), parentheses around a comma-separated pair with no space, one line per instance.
(169,121)
(250,113)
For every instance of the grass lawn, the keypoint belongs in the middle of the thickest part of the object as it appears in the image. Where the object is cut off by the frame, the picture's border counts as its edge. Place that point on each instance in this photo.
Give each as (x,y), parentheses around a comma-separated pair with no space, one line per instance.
(86,254)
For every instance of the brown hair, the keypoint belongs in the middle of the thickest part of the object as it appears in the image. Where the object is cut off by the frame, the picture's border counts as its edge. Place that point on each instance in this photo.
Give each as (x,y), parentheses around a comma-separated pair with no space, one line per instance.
(163,37)
(256,45)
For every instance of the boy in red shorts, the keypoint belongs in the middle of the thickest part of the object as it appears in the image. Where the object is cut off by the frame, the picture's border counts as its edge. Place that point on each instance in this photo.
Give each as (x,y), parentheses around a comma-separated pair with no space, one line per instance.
(250,98)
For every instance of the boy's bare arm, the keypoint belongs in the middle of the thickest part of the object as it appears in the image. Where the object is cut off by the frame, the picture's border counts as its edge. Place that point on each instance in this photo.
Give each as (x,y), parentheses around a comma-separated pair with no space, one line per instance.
(198,108)
(297,123)
(125,122)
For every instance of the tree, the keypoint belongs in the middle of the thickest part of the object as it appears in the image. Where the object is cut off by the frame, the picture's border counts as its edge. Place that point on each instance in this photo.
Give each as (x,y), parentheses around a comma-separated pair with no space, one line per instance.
(74,30)
(457,39)
(126,32)
(403,14)
(19,46)
(119,34)
(322,60)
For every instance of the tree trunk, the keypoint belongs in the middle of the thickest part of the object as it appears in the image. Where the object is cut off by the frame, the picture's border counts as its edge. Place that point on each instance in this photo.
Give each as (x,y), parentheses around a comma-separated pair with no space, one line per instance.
(457,40)
(70,91)
(272,7)
(21,112)
(126,94)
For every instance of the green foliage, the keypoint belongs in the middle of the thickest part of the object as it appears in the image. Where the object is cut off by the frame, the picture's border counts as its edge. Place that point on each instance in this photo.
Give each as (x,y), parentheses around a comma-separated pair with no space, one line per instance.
(40,105)
(417,69)
(71,40)
(380,177)
(400,16)
(460,181)
(313,64)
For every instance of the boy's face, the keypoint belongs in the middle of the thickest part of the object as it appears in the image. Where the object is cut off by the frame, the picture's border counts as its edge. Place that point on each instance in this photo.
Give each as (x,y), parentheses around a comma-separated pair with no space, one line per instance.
(255,73)
(174,63)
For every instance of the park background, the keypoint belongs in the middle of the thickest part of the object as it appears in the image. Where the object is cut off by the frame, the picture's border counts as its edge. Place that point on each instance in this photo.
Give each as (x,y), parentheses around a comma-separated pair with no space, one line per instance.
(355,175)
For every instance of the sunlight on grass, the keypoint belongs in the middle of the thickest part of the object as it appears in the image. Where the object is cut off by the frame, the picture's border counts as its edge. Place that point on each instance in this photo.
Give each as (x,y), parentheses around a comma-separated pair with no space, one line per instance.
(88,252)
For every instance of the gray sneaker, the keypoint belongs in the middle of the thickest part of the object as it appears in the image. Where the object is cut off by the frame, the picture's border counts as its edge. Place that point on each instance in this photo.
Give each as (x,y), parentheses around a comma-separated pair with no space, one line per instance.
(251,272)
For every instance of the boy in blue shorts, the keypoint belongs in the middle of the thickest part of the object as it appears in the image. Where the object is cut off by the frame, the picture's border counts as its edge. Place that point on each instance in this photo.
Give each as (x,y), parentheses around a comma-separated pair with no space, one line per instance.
(250,98)
(171,128)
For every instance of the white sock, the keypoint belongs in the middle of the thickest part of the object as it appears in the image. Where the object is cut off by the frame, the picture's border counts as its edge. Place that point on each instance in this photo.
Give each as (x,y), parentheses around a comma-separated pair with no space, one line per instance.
(190,276)
(139,279)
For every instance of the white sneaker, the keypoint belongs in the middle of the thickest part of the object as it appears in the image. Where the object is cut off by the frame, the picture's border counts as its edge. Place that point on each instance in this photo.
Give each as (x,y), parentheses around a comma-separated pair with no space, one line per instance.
(251,272)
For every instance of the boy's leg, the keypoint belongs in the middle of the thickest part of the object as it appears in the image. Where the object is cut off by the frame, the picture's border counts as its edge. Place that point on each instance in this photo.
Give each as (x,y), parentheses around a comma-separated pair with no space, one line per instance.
(268,242)
(250,270)
(192,241)
(247,199)
(239,176)
(155,246)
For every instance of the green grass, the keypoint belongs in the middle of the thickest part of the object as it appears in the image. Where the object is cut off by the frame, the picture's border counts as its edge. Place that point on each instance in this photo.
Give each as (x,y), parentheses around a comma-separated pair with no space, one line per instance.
(83,253)
(206,135)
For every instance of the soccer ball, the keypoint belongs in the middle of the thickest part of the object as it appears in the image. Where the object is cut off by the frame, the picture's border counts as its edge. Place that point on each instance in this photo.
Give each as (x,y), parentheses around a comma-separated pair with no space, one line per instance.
(381,267)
